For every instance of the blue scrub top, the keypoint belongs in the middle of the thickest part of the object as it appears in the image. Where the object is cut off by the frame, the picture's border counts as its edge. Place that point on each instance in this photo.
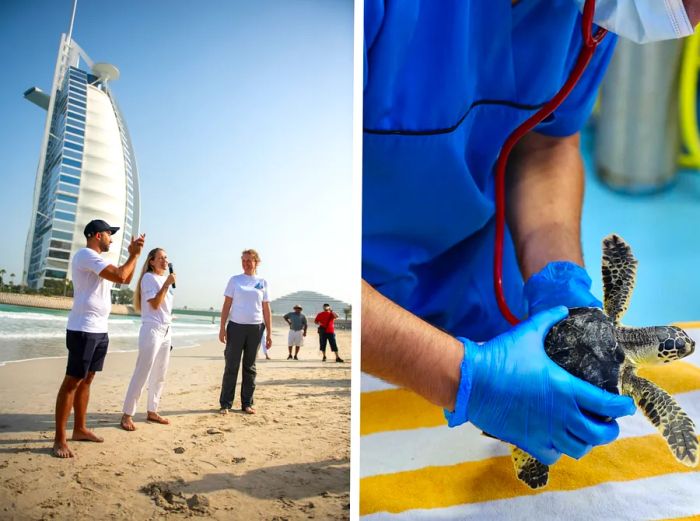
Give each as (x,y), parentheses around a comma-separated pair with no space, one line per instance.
(446,82)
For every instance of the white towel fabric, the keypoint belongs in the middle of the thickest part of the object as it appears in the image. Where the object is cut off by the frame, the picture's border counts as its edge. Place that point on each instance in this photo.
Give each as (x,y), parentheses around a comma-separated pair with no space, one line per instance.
(413,467)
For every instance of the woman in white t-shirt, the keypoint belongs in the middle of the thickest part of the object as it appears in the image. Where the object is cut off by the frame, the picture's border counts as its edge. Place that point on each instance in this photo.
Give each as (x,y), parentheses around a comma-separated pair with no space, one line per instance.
(154,298)
(244,315)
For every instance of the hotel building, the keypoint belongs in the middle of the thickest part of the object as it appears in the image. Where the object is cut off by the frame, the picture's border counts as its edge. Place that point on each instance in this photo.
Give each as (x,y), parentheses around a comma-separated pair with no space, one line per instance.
(87,169)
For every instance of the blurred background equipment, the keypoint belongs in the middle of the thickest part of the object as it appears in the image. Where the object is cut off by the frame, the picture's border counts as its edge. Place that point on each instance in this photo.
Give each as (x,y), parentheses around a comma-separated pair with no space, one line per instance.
(637,138)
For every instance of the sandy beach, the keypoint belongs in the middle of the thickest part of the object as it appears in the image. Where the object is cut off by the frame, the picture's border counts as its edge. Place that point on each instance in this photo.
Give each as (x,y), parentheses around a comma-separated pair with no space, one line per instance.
(289,461)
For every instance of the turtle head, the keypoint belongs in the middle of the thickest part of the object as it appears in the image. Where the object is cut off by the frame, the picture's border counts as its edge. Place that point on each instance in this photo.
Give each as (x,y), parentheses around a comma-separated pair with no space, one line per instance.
(674,343)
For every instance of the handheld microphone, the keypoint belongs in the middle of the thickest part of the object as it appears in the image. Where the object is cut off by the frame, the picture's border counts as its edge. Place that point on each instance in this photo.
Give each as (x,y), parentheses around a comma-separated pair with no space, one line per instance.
(170,269)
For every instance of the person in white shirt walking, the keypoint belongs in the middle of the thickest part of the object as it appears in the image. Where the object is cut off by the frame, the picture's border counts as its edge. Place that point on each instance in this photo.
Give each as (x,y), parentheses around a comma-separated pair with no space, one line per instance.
(154,298)
(246,307)
(86,332)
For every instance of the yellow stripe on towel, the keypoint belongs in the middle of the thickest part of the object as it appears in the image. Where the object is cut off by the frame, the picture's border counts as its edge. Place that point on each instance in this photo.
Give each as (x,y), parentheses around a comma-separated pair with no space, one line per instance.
(674,378)
(487,480)
(400,409)
(395,410)
(687,325)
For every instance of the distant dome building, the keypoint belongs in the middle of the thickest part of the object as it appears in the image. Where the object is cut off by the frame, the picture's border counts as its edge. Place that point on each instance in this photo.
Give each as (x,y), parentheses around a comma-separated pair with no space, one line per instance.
(311,301)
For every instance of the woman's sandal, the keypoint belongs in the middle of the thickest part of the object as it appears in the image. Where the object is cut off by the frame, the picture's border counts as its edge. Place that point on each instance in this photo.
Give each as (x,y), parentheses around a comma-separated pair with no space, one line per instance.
(157,418)
(127,426)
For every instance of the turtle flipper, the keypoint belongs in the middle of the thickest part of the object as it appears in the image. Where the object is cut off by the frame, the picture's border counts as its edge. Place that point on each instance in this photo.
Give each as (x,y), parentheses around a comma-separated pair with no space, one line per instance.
(530,471)
(619,270)
(667,416)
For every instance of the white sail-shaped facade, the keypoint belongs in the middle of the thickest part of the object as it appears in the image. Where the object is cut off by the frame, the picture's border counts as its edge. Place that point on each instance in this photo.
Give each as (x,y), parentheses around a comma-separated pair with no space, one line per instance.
(87,169)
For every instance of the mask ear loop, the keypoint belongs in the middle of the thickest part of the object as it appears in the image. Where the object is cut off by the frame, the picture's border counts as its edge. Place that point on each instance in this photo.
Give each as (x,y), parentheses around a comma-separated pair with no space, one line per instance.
(590,42)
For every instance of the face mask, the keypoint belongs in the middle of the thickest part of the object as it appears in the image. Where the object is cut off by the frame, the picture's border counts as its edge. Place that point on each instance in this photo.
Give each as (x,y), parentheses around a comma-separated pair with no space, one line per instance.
(642,21)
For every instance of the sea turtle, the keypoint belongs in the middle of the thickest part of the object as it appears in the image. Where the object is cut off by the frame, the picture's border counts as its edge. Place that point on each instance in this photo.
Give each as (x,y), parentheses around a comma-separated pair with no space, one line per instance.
(592,345)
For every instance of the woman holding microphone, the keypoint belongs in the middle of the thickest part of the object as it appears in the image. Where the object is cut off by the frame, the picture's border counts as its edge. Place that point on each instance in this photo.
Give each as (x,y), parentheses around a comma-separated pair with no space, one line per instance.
(154,299)
(246,311)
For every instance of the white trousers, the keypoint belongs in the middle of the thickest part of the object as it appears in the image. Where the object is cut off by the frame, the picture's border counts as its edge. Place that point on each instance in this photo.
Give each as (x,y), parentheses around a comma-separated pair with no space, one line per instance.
(151,364)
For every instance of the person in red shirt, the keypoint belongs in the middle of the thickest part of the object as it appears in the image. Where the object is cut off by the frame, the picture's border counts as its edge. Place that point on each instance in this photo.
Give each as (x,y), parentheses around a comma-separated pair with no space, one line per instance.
(326,331)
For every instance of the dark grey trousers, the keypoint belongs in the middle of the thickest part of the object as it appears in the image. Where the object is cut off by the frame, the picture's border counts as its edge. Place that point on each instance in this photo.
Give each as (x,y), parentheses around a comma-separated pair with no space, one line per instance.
(242,341)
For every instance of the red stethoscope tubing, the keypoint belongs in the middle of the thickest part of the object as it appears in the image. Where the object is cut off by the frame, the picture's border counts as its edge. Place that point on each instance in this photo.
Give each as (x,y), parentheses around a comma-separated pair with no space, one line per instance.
(590,42)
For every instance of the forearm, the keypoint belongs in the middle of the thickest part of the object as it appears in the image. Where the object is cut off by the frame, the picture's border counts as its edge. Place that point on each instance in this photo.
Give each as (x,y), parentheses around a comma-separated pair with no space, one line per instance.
(156,301)
(401,348)
(225,309)
(267,315)
(126,270)
(544,186)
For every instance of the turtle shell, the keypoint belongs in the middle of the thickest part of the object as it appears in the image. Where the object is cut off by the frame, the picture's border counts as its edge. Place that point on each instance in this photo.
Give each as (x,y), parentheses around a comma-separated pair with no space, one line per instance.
(584,344)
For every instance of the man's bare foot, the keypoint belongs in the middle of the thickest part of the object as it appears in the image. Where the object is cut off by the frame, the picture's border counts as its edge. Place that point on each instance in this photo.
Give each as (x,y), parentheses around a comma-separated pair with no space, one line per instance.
(249,410)
(61,450)
(157,418)
(86,435)
(127,423)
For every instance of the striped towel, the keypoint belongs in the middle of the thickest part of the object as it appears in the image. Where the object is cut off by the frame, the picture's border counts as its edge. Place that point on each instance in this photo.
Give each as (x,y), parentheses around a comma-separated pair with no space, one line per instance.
(412,466)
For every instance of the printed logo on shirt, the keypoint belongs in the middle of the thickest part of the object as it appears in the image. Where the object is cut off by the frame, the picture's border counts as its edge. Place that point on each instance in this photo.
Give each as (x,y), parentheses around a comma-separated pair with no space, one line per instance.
(259,285)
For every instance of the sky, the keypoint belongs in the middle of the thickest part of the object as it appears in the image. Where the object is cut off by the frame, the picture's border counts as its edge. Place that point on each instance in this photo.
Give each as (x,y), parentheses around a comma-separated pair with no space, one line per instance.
(240,113)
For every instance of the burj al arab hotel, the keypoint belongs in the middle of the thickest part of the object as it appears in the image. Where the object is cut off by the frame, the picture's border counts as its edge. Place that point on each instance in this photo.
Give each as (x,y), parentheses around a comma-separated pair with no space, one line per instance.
(87,169)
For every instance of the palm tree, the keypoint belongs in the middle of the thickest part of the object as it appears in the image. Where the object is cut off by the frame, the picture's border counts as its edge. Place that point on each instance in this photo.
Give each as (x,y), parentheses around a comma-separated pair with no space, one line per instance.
(2,274)
(348,311)
(12,279)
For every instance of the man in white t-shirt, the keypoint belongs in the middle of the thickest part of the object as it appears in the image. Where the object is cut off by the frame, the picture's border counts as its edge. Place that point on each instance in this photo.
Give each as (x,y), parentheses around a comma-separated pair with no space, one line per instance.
(86,332)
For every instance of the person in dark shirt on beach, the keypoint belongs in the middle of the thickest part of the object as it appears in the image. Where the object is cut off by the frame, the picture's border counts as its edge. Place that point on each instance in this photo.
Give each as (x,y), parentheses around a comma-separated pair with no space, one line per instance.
(86,332)
(326,331)
(297,330)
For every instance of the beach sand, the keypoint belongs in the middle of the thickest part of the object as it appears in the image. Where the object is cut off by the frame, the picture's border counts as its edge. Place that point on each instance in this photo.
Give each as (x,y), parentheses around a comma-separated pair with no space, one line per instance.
(291,460)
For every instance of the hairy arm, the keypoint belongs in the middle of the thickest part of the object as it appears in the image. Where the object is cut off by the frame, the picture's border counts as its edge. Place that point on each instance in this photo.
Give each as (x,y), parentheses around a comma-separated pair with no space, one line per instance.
(544,187)
(400,348)
(124,273)
(120,274)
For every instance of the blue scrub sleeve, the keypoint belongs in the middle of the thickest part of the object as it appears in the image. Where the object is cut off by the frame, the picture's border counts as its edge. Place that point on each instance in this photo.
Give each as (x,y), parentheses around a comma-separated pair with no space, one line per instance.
(374,15)
(573,113)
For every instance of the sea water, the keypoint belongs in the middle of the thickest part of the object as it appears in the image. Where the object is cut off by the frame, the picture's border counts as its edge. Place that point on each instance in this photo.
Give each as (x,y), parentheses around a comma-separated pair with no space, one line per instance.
(27,333)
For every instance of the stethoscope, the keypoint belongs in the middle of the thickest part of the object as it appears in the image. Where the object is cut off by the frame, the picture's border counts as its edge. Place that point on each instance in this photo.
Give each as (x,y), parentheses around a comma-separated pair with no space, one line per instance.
(590,42)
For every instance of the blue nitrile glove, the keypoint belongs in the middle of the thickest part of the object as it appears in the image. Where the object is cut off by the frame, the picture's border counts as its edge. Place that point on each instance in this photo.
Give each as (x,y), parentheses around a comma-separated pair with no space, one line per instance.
(560,283)
(512,390)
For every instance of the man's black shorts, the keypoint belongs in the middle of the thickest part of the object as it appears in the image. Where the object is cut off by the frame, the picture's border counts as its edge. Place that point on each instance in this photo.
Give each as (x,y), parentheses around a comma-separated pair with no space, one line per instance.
(86,352)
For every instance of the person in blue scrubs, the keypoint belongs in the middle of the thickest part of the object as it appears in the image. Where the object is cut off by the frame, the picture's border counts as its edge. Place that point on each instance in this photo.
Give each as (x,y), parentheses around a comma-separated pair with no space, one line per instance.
(445,84)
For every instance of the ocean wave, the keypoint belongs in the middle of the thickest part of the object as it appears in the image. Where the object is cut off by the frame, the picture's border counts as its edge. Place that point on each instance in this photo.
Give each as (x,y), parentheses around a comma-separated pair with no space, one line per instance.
(114,334)
(11,315)
(112,351)
(41,317)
